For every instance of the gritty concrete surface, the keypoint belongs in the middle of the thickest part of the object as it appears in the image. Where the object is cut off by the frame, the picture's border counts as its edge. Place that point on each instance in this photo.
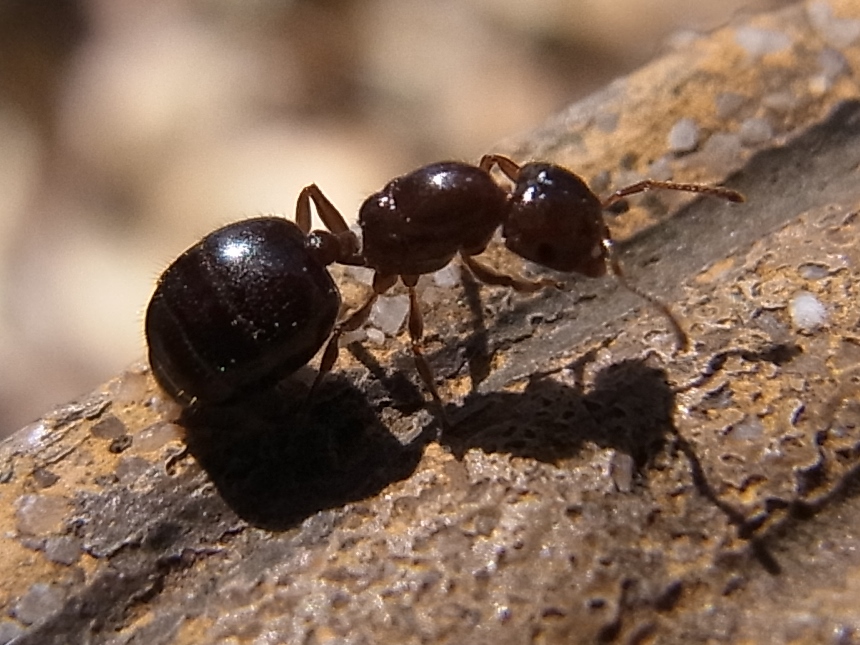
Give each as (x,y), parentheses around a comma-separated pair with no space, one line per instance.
(596,485)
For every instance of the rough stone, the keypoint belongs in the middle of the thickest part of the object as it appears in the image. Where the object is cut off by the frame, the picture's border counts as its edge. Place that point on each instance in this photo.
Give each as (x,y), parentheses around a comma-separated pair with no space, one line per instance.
(597,483)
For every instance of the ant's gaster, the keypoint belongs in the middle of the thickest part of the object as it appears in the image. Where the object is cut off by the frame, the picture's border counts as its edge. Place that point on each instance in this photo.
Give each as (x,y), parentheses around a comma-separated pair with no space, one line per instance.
(418,222)
(245,307)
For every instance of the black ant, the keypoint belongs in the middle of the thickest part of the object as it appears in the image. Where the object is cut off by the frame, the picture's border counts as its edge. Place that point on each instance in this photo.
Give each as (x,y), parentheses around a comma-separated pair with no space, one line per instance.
(418,222)
(252,302)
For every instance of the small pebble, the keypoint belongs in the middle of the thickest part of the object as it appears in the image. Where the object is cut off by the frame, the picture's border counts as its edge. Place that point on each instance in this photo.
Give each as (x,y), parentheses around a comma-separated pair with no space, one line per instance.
(130,388)
(837,32)
(722,149)
(63,549)
(812,271)
(833,63)
(155,436)
(39,514)
(109,428)
(728,103)
(622,468)
(807,312)
(755,131)
(684,136)
(9,631)
(783,101)
(661,169)
(448,276)
(375,336)
(749,429)
(41,601)
(389,312)
(44,478)
(758,42)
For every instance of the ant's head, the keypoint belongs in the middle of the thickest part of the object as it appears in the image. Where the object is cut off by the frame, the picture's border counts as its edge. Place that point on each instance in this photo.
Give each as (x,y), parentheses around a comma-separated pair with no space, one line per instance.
(555,220)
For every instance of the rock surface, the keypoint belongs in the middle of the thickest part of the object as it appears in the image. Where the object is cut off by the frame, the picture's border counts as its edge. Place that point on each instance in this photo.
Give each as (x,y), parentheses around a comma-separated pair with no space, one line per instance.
(597,485)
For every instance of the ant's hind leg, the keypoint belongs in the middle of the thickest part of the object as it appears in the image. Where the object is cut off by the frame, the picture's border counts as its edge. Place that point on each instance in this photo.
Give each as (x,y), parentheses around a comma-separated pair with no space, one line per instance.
(492,277)
(508,166)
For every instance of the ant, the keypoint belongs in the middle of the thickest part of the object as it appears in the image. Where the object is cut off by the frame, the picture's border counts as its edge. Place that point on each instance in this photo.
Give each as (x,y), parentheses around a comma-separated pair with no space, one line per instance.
(419,221)
(253,301)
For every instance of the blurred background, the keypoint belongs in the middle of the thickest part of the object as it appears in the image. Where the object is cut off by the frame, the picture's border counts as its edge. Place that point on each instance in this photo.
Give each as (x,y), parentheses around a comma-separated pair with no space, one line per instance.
(131,128)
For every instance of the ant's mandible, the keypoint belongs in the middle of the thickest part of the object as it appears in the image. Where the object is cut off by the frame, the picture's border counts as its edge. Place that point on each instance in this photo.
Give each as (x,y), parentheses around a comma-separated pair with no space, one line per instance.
(420,221)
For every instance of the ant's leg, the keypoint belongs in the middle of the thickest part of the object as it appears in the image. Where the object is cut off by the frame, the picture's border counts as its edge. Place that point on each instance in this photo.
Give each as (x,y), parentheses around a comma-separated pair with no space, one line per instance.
(615,266)
(327,211)
(490,276)
(650,184)
(508,166)
(416,333)
(338,244)
(353,321)
(303,210)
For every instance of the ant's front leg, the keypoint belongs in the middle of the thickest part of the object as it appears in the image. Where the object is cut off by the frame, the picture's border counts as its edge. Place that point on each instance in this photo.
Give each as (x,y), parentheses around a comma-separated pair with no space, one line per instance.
(508,166)
(347,251)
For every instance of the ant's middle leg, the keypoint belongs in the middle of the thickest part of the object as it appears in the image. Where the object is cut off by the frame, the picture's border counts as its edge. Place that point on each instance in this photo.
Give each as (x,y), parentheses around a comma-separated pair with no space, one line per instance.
(416,333)
(490,276)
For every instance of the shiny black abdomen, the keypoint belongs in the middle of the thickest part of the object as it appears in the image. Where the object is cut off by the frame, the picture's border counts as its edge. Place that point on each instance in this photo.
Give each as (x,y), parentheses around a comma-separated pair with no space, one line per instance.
(243,308)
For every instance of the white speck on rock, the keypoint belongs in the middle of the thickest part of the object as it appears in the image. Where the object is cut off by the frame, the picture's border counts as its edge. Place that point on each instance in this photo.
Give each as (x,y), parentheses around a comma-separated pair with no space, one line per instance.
(448,276)
(41,601)
(622,468)
(684,136)
(728,104)
(837,32)
(758,42)
(362,275)
(807,312)
(375,336)
(389,312)
(39,514)
(833,63)
(755,131)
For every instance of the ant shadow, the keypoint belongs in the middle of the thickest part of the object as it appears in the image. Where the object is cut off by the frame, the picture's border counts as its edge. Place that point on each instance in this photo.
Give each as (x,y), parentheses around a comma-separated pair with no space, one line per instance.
(628,409)
(275,461)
